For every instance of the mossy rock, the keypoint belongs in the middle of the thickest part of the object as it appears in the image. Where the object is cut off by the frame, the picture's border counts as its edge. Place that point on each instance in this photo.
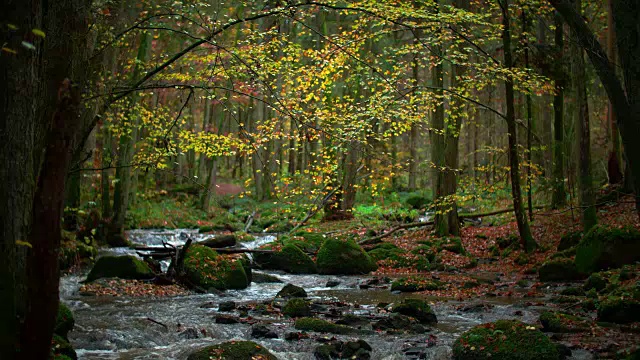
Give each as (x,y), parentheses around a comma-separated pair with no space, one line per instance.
(595,281)
(418,201)
(280,227)
(511,240)
(261,278)
(64,321)
(569,240)
(307,241)
(220,241)
(124,267)
(619,310)
(233,350)
(242,236)
(606,248)
(426,251)
(297,307)
(343,257)
(322,326)
(291,291)
(504,340)
(452,244)
(573,291)
(385,251)
(60,348)
(414,284)
(290,259)
(560,270)
(570,252)
(417,309)
(562,323)
(206,269)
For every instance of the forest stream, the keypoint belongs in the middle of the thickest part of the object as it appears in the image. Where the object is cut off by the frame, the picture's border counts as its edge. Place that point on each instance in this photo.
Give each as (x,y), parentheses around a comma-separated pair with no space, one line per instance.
(109,327)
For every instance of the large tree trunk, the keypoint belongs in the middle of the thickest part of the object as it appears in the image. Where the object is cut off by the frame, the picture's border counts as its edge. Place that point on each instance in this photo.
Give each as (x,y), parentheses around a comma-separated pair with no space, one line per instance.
(526,239)
(585,186)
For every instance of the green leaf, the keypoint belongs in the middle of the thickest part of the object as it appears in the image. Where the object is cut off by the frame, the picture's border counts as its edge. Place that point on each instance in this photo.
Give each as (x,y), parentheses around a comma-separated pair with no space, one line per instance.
(23,243)
(28,45)
(38,32)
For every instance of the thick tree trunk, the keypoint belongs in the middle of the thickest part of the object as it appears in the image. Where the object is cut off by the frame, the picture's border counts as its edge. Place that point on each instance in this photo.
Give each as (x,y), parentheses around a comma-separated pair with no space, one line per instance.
(585,186)
(526,239)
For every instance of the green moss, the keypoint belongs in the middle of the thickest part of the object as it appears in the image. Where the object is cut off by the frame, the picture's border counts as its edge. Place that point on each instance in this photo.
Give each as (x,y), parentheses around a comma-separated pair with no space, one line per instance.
(511,240)
(413,284)
(60,348)
(206,269)
(417,309)
(426,251)
(386,251)
(562,323)
(570,252)
(124,267)
(522,259)
(569,240)
(297,307)
(504,340)
(596,281)
(64,321)
(604,248)
(452,244)
(307,241)
(418,201)
(318,325)
(619,310)
(559,270)
(233,350)
(291,291)
(573,291)
(290,259)
(343,257)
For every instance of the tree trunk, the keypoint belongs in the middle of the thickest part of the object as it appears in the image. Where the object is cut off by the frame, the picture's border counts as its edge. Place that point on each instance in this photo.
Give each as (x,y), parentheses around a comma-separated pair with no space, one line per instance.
(559,198)
(585,186)
(526,239)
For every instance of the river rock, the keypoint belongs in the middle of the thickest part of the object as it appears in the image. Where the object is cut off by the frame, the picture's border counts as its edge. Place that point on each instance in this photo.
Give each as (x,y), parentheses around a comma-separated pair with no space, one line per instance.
(233,350)
(227,306)
(502,340)
(291,291)
(207,269)
(262,331)
(395,323)
(343,257)
(226,319)
(358,350)
(417,309)
(290,259)
(323,326)
(189,334)
(124,267)
(604,248)
(295,336)
(619,310)
(262,278)
(60,348)
(220,241)
(332,283)
(561,269)
(297,307)
(562,323)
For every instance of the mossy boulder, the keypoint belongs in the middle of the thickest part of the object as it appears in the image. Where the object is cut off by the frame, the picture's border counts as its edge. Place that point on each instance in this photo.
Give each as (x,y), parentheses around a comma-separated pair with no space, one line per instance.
(307,241)
(561,269)
(425,251)
(417,309)
(291,291)
(452,244)
(323,326)
(206,269)
(562,323)
(606,248)
(414,284)
(64,321)
(619,310)
(61,349)
(504,340)
(569,240)
(343,257)
(418,201)
(290,259)
(385,251)
(233,350)
(261,278)
(297,307)
(595,281)
(124,267)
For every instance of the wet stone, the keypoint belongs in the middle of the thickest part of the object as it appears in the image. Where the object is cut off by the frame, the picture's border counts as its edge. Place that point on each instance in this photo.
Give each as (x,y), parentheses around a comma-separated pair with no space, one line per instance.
(226,319)
(295,336)
(332,283)
(227,306)
(189,334)
(262,331)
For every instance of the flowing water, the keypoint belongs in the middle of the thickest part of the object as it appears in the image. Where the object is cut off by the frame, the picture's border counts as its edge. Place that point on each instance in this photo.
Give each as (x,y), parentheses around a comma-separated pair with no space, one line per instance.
(173,327)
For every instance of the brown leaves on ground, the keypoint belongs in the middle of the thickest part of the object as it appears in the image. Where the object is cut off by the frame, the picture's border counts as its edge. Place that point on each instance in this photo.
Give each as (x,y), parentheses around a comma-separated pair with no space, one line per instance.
(121,287)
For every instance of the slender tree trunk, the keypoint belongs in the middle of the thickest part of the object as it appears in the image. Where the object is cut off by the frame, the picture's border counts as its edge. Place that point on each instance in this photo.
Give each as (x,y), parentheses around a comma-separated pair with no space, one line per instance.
(526,239)
(529,107)
(559,198)
(585,182)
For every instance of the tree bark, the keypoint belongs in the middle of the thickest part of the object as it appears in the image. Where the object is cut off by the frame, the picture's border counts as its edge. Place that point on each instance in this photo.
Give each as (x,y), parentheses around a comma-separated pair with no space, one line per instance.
(526,239)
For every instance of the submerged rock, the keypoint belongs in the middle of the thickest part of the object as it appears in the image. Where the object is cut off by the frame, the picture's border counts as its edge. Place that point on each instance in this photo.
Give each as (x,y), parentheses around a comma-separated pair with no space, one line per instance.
(323,326)
(343,257)
(233,350)
(504,340)
(291,291)
(123,267)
